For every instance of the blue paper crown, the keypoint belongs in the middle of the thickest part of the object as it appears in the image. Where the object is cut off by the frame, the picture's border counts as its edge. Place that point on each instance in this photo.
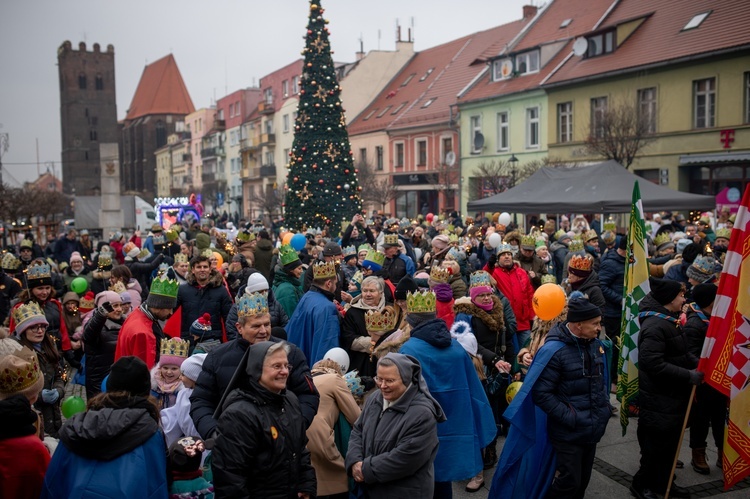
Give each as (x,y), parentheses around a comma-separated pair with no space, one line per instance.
(252,304)
(480,278)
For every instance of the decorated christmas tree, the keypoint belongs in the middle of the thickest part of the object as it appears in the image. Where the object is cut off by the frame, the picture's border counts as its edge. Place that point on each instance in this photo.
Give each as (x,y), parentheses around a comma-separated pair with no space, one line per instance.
(322,182)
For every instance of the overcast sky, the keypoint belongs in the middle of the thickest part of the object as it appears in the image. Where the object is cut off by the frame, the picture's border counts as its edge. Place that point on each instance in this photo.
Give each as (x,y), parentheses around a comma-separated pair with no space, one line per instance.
(220,46)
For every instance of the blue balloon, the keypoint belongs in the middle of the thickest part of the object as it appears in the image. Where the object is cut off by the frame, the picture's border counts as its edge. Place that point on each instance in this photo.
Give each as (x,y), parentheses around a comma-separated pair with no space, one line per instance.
(298,241)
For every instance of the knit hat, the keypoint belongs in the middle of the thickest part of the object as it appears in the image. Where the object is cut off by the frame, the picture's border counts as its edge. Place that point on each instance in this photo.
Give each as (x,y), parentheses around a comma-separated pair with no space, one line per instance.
(86,303)
(581,309)
(70,296)
(107,296)
(680,245)
(201,325)
(256,282)
(193,366)
(129,374)
(704,294)
(38,274)
(163,293)
(19,370)
(405,285)
(331,249)
(664,291)
(609,237)
(173,352)
(440,242)
(125,297)
(185,454)
(26,315)
(75,256)
(702,269)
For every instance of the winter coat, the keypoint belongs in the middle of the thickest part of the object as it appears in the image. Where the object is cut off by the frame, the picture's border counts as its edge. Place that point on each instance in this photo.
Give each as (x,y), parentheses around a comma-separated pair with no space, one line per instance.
(516,286)
(140,336)
(470,424)
(489,328)
(109,453)
(353,328)
(558,253)
(458,286)
(141,271)
(175,420)
(196,300)
(68,276)
(263,253)
(397,447)
(9,288)
(23,456)
(100,342)
(287,289)
(278,316)
(573,390)
(261,447)
(99,281)
(335,399)
(314,327)
(695,328)
(53,380)
(611,282)
(590,287)
(664,365)
(219,367)
(65,247)
(535,265)
(394,269)
(678,272)
(307,279)
(365,236)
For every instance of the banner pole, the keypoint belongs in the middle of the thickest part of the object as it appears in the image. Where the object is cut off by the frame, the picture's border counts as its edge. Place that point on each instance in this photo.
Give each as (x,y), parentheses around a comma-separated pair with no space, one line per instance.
(679,443)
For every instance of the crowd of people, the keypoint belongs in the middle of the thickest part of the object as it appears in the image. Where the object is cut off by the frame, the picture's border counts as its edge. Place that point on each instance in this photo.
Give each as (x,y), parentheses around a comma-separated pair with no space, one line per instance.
(373,361)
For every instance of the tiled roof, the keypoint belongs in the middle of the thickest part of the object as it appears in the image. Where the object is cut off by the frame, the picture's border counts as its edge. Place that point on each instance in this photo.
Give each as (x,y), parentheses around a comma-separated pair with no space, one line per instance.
(437,74)
(160,91)
(661,38)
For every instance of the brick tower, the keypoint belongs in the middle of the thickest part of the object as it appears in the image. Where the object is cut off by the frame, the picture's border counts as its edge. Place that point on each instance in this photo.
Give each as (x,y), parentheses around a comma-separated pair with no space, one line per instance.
(88,113)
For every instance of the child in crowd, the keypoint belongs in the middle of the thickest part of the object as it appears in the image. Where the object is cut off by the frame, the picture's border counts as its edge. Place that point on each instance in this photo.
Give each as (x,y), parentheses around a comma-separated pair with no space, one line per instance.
(185,462)
(165,377)
(176,419)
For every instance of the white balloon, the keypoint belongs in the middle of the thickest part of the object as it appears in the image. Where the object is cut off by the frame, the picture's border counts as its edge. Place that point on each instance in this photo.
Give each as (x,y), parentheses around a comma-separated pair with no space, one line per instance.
(495,239)
(504,218)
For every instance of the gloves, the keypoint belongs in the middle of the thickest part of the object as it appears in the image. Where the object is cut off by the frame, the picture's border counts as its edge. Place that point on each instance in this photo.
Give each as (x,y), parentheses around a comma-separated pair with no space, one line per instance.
(367,382)
(491,261)
(50,396)
(105,308)
(696,377)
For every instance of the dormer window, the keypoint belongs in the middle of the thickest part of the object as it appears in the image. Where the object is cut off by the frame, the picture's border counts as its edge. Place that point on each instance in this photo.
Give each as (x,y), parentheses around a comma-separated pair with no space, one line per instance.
(428,73)
(527,62)
(502,69)
(599,44)
(696,21)
(566,23)
(428,102)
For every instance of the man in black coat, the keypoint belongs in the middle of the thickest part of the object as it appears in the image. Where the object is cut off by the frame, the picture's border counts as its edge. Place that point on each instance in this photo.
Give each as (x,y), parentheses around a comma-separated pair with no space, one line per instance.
(666,369)
(611,282)
(254,326)
(331,253)
(204,292)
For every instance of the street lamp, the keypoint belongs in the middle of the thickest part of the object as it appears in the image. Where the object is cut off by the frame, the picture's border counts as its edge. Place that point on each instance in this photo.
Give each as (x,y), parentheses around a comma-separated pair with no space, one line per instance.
(513,161)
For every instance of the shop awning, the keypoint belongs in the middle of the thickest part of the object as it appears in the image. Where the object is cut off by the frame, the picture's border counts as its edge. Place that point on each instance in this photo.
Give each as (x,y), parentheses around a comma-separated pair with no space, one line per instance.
(719,157)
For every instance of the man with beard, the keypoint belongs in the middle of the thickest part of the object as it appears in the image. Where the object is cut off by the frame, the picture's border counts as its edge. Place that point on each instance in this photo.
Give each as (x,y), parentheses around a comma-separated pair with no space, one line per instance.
(721,244)
(530,262)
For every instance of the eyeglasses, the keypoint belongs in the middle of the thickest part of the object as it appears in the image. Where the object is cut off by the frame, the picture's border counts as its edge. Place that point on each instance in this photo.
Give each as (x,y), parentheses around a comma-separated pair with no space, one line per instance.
(384,382)
(280,367)
(37,327)
(485,296)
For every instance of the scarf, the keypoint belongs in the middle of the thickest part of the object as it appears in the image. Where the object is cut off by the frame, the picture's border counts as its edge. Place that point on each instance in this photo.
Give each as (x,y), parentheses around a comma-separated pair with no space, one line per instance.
(443,292)
(669,318)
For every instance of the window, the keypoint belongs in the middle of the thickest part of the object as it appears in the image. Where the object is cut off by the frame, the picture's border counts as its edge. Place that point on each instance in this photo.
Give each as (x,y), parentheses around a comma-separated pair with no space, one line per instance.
(93,135)
(268,125)
(503,131)
(566,23)
(408,79)
(475,134)
(647,109)
(603,43)
(565,122)
(221,112)
(82,81)
(398,154)
(427,73)
(99,82)
(696,21)
(528,62)
(379,158)
(369,115)
(704,103)
(363,155)
(399,108)
(747,97)
(268,95)
(385,110)
(532,128)
(598,112)
(447,146)
(295,85)
(285,88)
(421,152)
(285,123)
(161,134)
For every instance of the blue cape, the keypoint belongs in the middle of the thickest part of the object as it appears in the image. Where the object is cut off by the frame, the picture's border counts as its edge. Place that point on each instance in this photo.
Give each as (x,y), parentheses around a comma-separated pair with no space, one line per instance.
(314,326)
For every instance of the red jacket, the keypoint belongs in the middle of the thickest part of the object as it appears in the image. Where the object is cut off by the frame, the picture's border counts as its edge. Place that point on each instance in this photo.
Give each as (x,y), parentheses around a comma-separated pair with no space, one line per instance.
(516,286)
(445,311)
(137,338)
(23,463)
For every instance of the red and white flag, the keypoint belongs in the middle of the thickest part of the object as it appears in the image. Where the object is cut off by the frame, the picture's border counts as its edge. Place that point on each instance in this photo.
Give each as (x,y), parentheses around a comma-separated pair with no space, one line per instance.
(725,359)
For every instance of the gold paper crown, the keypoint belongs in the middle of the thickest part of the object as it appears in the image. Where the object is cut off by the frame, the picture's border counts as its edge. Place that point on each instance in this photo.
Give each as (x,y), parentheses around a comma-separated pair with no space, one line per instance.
(181,258)
(10,262)
(324,270)
(118,288)
(391,239)
(575,246)
(421,301)
(453,238)
(208,253)
(26,311)
(39,271)
(549,279)
(381,320)
(724,233)
(252,304)
(440,274)
(589,235)
(662,238)
(144,254)
(23,375)
(104,260)
(174,347)
(529,241)
(610,225)
(27,243)
(164,287)
(579,262)
(172,235)
(245,236)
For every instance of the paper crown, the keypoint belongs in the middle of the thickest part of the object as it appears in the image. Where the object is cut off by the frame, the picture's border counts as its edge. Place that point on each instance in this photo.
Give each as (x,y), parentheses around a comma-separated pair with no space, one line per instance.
(181,258)
(364,247)
(287,255)
(350,251)
(252,304)
(663,238)
(144,254)
(704,265)
(10,262)
(560,233)
(480,278)
(357,278)
(539,243)
(390,239)
(549,279)
(208,253)
(245,236)
(27,312)
(159,239)
(174,347)
(609,237)
(724,233)
(440,274)
(26,243)
(374,260)
(163,286)
(421,301)
(38,271)
(19,374)
(575,245)
(381,320)
(453,238)
(87,302)
(581,262)
(130,246)
(172,235)
(104,260)
(589,235)
(610,225)
(528,242)
(324,270)
(504,248)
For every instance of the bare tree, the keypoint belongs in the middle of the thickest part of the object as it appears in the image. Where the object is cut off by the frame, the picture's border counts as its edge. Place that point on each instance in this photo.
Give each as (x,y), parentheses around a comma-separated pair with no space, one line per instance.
(269,200)
(620,132)
(376,189)
(445,178)
(494,176)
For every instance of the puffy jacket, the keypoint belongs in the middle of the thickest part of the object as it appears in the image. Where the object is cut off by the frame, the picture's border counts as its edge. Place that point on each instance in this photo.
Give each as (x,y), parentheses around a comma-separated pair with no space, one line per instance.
(489,328)
(611,282)
(263,253)
(287,289)
(573,390)
(516,286)
(23,456)
(394,269)
(278,316)
(195,300)
(100,342)
(590,287)
(695,329)
(109,453)
(218,369)
(664,363)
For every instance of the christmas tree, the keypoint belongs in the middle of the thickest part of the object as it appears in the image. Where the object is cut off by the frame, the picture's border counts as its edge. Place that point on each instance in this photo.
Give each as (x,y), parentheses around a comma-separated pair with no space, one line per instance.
(322,182)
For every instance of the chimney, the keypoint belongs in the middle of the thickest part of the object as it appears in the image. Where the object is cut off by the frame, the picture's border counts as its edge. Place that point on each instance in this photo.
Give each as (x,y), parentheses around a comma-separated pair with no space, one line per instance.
(529,11)
(359,55)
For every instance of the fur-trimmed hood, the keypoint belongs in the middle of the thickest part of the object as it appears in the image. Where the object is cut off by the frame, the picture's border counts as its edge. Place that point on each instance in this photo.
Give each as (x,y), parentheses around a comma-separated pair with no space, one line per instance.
(494,319)
(214,280)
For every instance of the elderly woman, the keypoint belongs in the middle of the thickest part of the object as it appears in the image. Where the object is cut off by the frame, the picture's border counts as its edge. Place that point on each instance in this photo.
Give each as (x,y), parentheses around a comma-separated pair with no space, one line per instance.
(261,448)
(354,338)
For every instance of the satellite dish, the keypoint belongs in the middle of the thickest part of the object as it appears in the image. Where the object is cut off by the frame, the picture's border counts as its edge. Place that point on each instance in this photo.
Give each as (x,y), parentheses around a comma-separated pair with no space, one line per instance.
(450,158)
(580,46)
(478,141)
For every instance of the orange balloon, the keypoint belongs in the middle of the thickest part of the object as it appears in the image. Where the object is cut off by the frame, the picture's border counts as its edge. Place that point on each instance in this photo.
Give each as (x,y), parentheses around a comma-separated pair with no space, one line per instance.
(219,259)
(282,235)
(548,301)
(287,238)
